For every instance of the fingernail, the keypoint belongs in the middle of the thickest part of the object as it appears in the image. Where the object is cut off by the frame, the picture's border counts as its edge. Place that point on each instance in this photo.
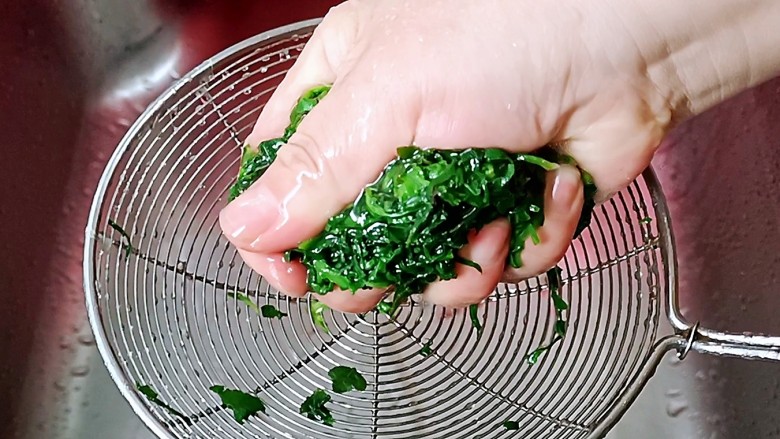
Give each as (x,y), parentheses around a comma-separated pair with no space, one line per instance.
(566,185)
(246,218)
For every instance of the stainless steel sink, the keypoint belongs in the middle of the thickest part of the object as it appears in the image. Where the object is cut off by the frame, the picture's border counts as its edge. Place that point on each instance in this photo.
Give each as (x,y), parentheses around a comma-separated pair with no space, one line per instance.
(76,73)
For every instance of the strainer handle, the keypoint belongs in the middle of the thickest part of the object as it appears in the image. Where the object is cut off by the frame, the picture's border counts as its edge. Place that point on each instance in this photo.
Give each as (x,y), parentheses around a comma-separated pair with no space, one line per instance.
(743,345)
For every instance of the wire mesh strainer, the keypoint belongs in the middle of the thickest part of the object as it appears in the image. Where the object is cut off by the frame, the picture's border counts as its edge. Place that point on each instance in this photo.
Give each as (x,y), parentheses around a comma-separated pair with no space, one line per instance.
(162,314)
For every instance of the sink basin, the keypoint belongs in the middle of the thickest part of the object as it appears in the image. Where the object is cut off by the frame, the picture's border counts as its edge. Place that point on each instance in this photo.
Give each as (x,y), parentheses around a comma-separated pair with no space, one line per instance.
(77,73)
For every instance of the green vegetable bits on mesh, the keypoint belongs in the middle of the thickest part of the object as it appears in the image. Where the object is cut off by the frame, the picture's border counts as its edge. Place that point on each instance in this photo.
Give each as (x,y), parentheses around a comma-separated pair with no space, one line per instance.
(406,228)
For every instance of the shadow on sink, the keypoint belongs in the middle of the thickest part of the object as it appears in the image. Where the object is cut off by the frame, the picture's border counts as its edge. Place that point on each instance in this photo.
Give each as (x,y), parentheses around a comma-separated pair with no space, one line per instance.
(77,73)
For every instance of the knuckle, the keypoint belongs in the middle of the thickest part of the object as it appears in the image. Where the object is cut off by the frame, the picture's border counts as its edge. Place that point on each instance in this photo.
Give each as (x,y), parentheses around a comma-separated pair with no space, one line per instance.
(301,157)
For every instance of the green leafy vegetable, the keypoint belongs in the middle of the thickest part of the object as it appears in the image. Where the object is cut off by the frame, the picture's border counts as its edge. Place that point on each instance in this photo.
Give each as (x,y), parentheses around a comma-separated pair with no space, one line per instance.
(254,162)
(241,403)
(271,312)
(154,398)
(384,307)
(474,315)
(127,245)
(560,305)
(314,407)
(646,220)
(426,349)
(243,298)
(405,229)
(511,425)
(346,379)
(317,310)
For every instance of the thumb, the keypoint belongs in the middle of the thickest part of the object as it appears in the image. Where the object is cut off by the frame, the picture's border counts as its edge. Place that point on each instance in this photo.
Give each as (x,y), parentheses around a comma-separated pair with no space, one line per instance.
(322,169)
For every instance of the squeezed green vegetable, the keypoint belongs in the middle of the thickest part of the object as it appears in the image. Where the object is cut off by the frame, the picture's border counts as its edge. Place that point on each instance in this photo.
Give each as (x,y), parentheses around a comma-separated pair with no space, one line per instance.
(254,162)
(241,403)
(406,228)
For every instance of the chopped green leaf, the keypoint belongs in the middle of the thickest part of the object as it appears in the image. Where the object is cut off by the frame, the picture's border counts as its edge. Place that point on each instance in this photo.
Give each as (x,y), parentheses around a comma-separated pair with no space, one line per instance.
(241,403)
(405,229)
(560,305)
(538,161)
(646,220)
(243,298)
(384,307)
(474,315)
(317,310)
(558,302)
(154,398)
(346,379)
(271,312)
(468,262)
(426,349)
(127,245)
(314,407)
(255,162)
(511,425)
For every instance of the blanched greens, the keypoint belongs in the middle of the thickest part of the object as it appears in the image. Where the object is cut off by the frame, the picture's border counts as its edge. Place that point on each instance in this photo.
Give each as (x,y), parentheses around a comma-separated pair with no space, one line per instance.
(405,229)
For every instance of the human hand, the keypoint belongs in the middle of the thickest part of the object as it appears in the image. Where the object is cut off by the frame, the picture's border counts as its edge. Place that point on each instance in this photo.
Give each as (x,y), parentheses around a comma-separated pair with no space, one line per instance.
(450,74)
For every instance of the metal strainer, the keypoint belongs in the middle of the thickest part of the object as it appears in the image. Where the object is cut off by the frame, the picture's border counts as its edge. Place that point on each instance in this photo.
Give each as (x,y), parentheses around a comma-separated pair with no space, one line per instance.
(163,316)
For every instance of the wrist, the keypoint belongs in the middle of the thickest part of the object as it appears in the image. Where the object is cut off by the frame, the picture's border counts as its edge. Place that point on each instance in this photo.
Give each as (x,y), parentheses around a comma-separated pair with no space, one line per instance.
(701,52)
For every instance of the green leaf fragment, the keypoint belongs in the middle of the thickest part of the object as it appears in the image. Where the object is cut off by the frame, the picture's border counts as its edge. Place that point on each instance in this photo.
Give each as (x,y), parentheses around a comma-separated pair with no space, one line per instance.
(426,350)
(242,404)
(474,315)
(346,379)
(243,298)
(154,398)
(127,245)
(560,305)
(271,312)
(646,220)
(511,425)
(384,307)
(314,407)
(317,310)
(558,302)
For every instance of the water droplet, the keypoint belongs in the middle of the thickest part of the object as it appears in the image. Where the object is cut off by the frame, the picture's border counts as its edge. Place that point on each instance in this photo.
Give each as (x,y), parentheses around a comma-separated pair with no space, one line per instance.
(673,392)
(180,266)
(263,69)
(79,371)
(86,339)
(675,408)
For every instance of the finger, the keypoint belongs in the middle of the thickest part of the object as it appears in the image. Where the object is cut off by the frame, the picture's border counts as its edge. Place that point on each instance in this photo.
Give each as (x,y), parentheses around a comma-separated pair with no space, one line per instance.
(321,170)
(620,144)
(358,302)
(286,277)
(317,65)
(488,248)
(562,208)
